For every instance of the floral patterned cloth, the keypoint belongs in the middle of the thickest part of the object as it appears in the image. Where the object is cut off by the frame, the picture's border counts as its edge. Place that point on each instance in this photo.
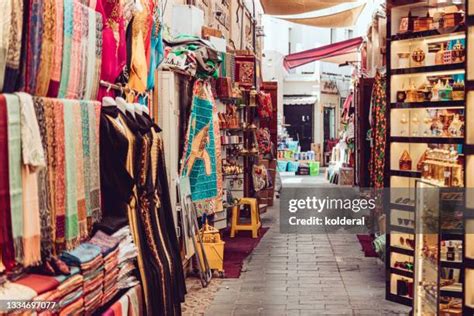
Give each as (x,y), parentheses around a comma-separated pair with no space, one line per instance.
(378,131)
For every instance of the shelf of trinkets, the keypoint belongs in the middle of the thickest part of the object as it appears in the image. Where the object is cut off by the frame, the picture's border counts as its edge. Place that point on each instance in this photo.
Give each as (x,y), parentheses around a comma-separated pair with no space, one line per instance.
(430,122)
(429,51)
(402,218)
(443,167)
(420,16)
(428,87)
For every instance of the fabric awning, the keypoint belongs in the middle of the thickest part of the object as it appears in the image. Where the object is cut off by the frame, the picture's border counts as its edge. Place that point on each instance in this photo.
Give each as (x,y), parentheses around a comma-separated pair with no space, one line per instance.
(300,100)
(285,7)
(346,18)
(326,53)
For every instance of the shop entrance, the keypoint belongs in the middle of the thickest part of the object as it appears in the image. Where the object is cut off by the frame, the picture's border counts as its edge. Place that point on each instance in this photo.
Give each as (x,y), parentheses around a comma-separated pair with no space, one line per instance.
(300,121)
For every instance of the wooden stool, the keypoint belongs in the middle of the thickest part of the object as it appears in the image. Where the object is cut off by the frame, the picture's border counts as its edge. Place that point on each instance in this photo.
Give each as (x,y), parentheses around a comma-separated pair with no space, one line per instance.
(255,223)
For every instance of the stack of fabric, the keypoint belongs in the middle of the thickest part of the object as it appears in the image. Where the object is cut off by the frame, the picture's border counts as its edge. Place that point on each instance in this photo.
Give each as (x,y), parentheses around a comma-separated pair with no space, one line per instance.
(130,303)
(127,254)
(109,249)
(89,259)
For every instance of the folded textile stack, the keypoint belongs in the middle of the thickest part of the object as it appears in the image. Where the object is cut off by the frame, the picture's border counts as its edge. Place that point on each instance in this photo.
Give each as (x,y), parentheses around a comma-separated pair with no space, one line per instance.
(109,248)
(88,258)
(130,303)
(127,254)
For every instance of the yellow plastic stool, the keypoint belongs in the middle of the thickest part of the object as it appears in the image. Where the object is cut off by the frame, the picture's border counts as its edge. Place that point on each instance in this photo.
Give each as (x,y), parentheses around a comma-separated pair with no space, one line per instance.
(255,223)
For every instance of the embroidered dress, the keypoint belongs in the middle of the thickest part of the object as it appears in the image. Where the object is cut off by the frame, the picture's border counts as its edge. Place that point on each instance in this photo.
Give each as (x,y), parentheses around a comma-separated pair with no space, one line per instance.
(6,239)
(14,165)
(202,151)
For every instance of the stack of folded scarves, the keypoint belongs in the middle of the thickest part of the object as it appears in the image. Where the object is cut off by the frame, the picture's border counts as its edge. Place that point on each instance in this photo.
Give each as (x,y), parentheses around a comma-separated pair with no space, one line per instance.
(109,249)
(127,254)
(89,259)
(130,303)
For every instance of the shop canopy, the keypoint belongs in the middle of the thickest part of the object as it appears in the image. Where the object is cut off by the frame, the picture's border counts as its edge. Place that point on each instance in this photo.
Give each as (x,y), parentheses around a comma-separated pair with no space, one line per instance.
(299,100)
(285,7)
(339,52)
(345,18)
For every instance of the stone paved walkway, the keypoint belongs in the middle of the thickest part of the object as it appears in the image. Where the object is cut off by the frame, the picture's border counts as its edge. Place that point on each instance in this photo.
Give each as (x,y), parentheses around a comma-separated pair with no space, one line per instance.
(316,274)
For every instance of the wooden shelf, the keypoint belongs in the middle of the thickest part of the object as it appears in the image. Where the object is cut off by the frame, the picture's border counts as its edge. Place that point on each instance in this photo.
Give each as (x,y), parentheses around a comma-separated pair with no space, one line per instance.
(427,140)
(451,293)
(401,272)
(407,174)
(428,104)
(401,229)
(424,34)
(428,69)
(404,300)
(402,251)
(402,207)
(451,264)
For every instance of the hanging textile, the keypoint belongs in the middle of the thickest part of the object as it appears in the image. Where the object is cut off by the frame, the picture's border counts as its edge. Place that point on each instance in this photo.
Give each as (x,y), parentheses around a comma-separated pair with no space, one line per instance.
(15,40)
(156,49)
(14,168)
(34,44)
(57,54)
(6,239)
(94,109)
(79,156)
(68,22)
(33,160)
(378,131)
(44,186)
(5,25)
(91,55)
(283,7)
(47,48)
(202,161)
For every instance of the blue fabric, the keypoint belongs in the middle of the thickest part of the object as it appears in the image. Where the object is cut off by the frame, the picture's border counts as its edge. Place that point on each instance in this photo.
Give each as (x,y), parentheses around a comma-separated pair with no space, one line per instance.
(83,253)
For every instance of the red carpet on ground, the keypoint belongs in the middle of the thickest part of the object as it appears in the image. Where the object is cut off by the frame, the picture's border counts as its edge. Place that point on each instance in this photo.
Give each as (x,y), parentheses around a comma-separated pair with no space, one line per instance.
(367,247)
(237,249)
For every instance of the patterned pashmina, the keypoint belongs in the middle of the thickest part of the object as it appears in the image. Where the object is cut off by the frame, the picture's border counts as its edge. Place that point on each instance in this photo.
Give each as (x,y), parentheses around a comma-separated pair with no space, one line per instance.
(98,57)
(84,51)
(70,135)
(73,87)
(202,151)
(57,51)
(5,25)
(35,33)
(33,160)
(59,164)
(91,55)
(7,254)
(14,164)
(94,131)
(86,159)
(68,20)
(14,46)
(79,170)
(47,48)
(44,191)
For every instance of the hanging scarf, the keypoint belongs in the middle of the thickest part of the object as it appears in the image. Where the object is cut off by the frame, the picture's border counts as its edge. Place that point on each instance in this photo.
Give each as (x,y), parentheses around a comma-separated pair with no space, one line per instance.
(44,191)
(94,131)
(98,56)
(6,240)
(35,33)
(379,131)
(70,135)
(84,51)
(86,159)
(57,55)
(68,20)
(33,160)
(14,46)
(73,87)
(5,25)
(91,55)
(202,151)
(14,165)
(47,48)
(79,170)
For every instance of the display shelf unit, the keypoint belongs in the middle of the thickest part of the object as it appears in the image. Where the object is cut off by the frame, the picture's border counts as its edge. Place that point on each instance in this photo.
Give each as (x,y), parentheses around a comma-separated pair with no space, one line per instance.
(400,138)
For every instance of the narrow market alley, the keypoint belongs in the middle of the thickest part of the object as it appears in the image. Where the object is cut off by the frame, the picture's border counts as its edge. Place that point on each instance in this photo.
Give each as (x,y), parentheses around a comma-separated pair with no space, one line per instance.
(305,274)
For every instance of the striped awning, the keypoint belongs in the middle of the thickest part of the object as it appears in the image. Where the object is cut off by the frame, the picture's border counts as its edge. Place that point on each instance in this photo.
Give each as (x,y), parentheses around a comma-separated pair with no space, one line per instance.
(299,100)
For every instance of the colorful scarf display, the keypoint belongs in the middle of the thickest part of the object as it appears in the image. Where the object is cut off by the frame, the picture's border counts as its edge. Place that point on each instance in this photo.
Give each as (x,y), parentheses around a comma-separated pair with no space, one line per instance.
(34,44)
(5,25)
(202,161)
(47,48)
(57,54)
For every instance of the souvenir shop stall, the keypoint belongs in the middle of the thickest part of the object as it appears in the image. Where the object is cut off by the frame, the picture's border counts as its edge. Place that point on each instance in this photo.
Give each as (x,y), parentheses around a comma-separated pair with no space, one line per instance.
(85,213)
(428,153)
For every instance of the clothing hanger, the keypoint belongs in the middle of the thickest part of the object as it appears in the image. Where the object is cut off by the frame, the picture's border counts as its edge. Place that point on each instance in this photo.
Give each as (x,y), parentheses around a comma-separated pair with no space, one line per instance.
(125,105)
(108,101)
(138,108)
(146,110)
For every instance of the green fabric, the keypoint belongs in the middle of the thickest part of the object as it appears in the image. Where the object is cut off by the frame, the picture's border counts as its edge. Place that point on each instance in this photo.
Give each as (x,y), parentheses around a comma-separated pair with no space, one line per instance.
(14,166)
(72,225)
(314,168)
